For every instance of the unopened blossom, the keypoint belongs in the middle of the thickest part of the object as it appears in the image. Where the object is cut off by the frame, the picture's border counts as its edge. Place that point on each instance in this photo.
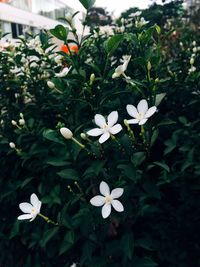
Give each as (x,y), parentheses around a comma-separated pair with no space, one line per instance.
(106,128)
(50,84)
(73,265)
(66,133)
(120,70)
(107,199)
(12,145)
(140,114)
(31,209)
(13,122)
(63,73)
(191,61)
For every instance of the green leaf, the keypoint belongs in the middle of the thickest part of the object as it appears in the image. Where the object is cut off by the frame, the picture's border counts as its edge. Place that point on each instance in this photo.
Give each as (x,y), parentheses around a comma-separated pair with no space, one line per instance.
(146,262)
(60,32)
(159,98)
(51,135)
(162,165)
(68,174)
(112,43)
(127,244)
(87,3)
(49,234)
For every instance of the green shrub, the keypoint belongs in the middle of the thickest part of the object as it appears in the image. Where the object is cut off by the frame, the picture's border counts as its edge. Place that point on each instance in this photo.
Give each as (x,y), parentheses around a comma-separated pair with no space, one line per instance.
(156,164)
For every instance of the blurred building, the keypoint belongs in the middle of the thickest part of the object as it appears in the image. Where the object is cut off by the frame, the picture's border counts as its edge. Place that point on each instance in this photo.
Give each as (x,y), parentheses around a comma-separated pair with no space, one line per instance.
(20,16)
(192,5)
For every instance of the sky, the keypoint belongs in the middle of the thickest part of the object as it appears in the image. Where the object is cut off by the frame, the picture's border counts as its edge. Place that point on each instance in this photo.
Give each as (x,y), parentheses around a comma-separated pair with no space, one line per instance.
(116,6)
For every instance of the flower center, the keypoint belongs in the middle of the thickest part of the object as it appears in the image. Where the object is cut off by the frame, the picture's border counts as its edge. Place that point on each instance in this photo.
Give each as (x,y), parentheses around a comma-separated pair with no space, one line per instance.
(140,115)
(33,210)
(108,199)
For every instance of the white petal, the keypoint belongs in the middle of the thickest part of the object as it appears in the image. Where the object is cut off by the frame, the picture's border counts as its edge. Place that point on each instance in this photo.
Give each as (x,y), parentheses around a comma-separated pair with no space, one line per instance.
(33,217)
(25,207)
(106,210)
(117,205)
(104,137)
(97,201)
(133,121)
(25,217)
(95,132)
(117,192)
(104,189)
(100,120)
(142,106)
(115,129)
(112,118)
(115,75)
(150,112)
(119,70)
(143,121)
(34,200)
(132,111)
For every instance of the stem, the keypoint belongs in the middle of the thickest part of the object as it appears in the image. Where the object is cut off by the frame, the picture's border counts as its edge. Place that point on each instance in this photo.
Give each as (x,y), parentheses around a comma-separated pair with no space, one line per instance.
(47,219)
(78,143)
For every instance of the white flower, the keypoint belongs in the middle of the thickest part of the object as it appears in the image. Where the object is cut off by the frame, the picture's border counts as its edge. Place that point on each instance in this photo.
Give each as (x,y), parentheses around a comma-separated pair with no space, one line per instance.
(63,73)
(120,70)
(106,128)
(31,210)
(194,49)
(194,43)
(66,133)
(141,22)
(58,59)
(108,199)
(136,14)
(12,145)
(50,84)
(141,113)
(21,122)
(73,265)
(192,69)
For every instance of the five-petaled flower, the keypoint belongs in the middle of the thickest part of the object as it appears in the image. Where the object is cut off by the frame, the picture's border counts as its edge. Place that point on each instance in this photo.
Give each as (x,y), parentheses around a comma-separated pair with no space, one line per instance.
(120,70)
(141,113)
(31,210)
(108,199)
(106,128)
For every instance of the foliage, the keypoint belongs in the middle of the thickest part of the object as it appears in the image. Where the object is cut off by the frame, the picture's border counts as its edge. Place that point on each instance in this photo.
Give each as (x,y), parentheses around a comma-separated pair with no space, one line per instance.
(157,164)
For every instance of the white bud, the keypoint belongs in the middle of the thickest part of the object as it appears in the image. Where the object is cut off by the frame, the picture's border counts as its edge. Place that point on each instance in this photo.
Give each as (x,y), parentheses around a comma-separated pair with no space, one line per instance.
(13,122)
(12,145)
(191,61)
(194,43)
(21,115)
(21,122)
(50,84)
(66,133)
(194,49)
(83,136)
(181,44)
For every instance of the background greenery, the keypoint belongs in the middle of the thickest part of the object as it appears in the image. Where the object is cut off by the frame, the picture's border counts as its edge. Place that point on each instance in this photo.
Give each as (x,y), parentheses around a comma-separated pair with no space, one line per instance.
(159,171)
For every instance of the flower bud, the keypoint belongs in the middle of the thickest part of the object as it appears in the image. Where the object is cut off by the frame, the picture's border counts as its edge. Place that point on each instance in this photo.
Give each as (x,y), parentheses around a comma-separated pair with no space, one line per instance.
(21,122)
(12,145)
(92,78)
(21,115)
(157,80)
(13,122)
(194,43)
(66,133)
(83,136)
(194,49)
(191,61)
(50,84)
(126,123)
(149,65)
